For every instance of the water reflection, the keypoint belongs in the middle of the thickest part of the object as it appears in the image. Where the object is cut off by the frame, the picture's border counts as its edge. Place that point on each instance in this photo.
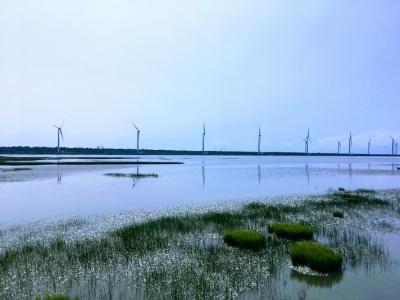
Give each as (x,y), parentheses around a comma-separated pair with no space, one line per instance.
(203,175)
(59,175)
(350,171)
(307,173)
(259,174)
(135,180)
(317,281)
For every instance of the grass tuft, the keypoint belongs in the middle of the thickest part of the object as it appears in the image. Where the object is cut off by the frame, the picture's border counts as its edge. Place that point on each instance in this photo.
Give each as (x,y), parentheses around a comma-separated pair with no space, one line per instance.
(316,256)
(244,239)
(291,231)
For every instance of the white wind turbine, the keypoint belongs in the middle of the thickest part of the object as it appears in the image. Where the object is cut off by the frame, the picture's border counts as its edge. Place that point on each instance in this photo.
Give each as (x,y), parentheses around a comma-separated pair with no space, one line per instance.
(307,141)
(204,135)
(393,144)
(137,137)
(369,146)
(59,133)
(259,140)
(350,143)
(339,147)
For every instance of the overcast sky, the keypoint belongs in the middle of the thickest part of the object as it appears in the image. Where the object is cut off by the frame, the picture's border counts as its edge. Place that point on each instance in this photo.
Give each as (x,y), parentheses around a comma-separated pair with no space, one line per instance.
(333,66)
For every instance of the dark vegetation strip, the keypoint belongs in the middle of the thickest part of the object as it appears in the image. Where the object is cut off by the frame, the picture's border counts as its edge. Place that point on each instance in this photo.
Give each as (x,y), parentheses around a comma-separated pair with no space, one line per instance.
(15,169)
(131,175)
(86,163)
(142,238)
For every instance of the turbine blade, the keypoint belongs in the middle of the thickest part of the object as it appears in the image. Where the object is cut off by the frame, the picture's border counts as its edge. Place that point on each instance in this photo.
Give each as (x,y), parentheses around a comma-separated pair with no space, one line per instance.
(135,126)
(62,136)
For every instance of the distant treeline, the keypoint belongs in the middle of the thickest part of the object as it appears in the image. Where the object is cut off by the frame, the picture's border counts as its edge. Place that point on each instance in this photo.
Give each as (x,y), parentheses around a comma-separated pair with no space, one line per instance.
(111,151)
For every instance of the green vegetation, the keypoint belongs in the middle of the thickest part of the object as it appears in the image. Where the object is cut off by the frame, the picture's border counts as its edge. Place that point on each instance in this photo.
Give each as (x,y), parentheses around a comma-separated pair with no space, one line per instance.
(244,239)
(338,214)
(182,256)
(365,191)
(132,175)
(291,231)
(316,256)
(358,198)
(341,189)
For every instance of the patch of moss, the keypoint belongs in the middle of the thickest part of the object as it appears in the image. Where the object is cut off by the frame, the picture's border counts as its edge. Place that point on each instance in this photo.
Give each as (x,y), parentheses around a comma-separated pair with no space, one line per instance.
(291,231)
(316,256)
(244,239)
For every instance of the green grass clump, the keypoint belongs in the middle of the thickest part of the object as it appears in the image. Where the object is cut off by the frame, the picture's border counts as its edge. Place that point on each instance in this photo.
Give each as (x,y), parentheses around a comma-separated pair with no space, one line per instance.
(291,231)
(244,239)
(316,256)
(338,214)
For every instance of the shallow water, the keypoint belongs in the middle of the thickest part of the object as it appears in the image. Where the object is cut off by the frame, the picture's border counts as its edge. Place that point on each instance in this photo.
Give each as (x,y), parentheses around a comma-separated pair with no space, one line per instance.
(59,192)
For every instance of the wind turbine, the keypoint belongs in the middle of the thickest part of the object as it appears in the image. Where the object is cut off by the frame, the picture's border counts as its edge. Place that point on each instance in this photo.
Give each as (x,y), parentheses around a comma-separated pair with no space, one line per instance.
(339,147)
(350,143)
(259,140)
(204,135)
(137,137)
(396,149)
(59,133)
(369,146)
(307,141)
(393,144)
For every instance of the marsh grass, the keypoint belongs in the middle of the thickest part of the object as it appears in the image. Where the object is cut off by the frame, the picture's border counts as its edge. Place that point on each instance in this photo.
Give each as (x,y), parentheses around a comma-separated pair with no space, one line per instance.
(244,239)
(164,258)
(365,191)
(291,231)
(131,175)
(316,256)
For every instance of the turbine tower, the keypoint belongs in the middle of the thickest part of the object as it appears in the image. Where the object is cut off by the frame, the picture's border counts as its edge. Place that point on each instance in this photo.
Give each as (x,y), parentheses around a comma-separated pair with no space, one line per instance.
(204,135)
(350,143)
(259,140)
(137,137)
(396,148)
(307,141)
(369,146)
(393,144)
(339,147)
(59,133)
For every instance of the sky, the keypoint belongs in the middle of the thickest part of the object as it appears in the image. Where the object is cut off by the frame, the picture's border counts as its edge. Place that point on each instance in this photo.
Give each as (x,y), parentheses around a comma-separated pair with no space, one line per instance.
(169,66)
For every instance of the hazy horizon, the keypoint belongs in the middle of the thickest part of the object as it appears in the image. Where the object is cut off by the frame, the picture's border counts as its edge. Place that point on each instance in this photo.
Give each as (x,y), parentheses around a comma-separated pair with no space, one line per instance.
(169,66)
